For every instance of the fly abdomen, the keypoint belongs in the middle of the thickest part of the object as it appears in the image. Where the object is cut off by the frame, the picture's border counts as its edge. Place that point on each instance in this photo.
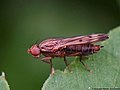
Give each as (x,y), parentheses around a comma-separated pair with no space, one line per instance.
(72,49)
(87,49)
(84,49)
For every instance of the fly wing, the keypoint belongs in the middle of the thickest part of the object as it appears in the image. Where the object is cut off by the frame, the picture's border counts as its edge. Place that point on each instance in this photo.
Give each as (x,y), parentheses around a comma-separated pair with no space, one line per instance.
(52,45)
(82,40)
(85,39)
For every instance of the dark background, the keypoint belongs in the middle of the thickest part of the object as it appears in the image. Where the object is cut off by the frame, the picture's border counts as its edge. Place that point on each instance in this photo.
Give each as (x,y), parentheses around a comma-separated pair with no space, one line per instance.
(23,22)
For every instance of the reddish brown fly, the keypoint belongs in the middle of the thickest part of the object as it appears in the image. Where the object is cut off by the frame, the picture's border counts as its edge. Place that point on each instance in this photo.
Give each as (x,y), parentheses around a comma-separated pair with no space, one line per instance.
(66,47)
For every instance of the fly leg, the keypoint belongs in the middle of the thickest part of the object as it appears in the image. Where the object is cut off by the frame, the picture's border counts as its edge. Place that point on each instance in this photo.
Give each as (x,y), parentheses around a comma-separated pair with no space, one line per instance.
(49,61)
(66,63)
(84,64)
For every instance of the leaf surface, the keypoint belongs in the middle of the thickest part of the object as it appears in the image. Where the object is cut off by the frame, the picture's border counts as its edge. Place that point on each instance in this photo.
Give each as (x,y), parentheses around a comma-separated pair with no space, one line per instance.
(3,83)
(105,67)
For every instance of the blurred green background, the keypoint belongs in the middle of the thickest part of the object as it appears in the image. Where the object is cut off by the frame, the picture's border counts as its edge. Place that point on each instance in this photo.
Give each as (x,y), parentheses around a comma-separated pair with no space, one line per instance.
(23,22)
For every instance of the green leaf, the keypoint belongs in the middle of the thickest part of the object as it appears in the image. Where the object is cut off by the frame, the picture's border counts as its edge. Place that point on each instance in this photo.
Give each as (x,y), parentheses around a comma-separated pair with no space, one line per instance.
(105,66)
(3,83)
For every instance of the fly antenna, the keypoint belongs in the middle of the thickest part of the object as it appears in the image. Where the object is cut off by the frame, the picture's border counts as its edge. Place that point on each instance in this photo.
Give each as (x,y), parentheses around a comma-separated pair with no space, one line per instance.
(37,42)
